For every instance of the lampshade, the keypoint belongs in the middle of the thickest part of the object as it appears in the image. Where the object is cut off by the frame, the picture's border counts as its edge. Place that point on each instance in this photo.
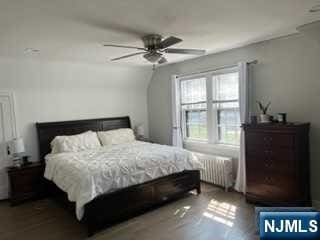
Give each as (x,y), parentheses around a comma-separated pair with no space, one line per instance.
(17,146)
(140,130)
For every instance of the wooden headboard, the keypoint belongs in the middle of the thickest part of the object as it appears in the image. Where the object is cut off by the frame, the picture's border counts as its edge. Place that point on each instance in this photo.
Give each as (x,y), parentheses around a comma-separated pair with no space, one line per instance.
(47,131)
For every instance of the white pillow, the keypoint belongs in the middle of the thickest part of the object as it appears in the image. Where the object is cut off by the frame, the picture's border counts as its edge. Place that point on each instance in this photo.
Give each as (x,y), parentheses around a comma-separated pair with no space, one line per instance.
(118,136)
(75,143)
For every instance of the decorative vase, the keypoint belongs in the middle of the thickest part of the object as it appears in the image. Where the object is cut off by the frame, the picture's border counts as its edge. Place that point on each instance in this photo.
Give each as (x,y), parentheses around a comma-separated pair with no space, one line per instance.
(264,118)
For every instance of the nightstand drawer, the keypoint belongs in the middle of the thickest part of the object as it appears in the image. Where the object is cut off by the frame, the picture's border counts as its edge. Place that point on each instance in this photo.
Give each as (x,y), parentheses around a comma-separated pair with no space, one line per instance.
(26,182)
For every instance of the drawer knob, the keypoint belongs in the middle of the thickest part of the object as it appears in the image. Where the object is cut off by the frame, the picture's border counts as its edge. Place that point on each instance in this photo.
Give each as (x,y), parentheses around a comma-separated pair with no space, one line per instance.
(268,179)
(268,164)
(268,151)
(267,139)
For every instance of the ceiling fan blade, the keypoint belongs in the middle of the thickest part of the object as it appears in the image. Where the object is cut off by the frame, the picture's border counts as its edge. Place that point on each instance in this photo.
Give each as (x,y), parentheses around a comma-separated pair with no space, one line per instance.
(185,51)
(169,42)
(162,60)
(126,56)
(108,25)
(123,46)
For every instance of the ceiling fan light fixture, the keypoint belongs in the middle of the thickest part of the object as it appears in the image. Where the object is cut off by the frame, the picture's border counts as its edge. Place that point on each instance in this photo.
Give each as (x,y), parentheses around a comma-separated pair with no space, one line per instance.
(162,60)
(153,56)
(155,47)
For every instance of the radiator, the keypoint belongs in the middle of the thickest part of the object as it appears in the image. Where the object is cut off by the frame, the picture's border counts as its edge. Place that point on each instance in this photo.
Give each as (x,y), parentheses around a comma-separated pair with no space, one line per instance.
(216,170)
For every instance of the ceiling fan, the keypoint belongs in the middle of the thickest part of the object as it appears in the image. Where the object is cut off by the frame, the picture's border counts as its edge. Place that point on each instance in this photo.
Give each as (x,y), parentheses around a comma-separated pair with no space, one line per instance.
(155,47)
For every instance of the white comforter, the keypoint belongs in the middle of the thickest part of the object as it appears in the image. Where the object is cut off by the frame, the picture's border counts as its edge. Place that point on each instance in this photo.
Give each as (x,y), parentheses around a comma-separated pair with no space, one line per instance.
(87,174)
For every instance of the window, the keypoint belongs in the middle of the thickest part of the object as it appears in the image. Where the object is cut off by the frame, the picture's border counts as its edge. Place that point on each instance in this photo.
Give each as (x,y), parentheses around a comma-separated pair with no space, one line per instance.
(226,108)
(194,108)
(211,116)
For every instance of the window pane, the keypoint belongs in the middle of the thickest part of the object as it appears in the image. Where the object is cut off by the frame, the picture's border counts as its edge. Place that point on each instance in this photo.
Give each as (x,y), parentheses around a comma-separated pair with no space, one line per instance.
(228,126)
(225,86)
(229,134)
(196,124)
(229,117)
(193,90)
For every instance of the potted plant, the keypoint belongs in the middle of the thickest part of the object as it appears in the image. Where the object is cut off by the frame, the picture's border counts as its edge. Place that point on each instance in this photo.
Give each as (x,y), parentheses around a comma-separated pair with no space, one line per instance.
(264,117)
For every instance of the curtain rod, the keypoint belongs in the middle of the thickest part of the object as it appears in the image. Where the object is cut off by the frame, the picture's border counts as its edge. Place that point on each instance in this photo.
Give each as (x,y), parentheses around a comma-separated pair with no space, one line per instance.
(212,70)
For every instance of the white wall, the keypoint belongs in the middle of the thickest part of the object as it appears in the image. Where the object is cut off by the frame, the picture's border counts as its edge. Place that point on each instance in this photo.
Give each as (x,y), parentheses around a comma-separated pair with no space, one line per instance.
(57,91)
(288,74)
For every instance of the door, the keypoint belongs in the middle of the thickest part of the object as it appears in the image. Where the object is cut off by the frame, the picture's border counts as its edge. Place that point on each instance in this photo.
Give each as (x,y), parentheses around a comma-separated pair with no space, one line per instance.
(7,133)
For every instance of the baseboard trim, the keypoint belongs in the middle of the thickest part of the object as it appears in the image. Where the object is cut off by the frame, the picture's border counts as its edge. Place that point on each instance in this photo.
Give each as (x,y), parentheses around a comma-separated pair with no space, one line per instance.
(316,204)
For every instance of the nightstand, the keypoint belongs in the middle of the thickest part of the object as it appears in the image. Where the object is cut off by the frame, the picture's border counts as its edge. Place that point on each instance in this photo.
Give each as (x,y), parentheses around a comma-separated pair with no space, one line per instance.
(26,182)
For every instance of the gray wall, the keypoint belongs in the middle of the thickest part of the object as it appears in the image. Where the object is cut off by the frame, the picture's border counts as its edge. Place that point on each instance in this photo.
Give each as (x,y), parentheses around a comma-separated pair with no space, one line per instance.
(57,91)
(288,74)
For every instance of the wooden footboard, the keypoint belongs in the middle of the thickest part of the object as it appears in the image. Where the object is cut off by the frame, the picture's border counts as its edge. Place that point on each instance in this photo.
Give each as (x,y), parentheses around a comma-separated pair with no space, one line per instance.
(125,203)
(113,207)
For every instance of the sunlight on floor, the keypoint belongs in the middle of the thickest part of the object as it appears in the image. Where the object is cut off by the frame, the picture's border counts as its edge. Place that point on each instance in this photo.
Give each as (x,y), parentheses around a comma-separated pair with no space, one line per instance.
(218,219)
(221,212)
(182,211)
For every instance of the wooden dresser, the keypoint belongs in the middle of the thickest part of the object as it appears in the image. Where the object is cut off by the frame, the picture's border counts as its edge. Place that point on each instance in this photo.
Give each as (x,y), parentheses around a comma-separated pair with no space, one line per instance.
(277,164)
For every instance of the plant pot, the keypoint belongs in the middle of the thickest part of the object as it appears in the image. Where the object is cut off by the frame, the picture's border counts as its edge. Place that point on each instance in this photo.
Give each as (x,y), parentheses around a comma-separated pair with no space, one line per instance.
(264,118)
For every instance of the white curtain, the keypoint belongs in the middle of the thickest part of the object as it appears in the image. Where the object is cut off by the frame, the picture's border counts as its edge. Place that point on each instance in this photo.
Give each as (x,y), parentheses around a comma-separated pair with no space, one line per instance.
(240,185)
(176,122)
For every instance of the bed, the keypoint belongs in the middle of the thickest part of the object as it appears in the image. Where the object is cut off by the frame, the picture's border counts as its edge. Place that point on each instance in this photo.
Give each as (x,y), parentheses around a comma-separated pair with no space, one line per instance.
(107,208)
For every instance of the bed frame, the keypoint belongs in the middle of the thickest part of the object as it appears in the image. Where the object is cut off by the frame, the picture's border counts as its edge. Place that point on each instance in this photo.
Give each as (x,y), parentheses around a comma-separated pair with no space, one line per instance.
(110,208)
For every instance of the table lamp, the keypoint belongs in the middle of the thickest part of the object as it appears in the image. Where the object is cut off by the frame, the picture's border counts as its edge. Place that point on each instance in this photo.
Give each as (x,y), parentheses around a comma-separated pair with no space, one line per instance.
(16,147)
(140,130)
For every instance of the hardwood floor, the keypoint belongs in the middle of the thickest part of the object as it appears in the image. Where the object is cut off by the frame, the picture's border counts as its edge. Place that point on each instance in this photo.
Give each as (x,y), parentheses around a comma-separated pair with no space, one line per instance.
(214,214)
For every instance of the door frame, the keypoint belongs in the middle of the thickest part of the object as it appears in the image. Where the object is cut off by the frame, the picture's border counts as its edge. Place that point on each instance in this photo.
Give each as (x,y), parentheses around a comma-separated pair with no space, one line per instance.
(8,97)
(11,100)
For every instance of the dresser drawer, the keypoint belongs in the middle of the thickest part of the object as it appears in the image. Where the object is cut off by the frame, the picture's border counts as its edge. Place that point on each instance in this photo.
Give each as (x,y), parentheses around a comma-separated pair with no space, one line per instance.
(267,140)
(255,160)
(273,187)
(280,161)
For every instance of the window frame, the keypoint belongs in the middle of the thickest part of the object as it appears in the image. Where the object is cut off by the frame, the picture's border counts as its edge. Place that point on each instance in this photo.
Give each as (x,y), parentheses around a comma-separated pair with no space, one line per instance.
(212,112)
(183,111)
(215,129)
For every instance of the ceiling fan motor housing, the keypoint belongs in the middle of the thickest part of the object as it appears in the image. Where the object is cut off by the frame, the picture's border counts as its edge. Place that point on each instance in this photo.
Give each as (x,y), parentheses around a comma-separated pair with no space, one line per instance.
(152,41)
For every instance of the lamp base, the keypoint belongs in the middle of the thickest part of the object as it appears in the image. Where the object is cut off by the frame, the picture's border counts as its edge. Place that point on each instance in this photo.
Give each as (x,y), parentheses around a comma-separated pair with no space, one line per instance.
(25,160)
(19,161)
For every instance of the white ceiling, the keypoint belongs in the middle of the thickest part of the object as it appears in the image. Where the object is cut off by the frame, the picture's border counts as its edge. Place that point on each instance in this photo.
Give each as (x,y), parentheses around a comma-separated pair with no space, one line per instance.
(74,30)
